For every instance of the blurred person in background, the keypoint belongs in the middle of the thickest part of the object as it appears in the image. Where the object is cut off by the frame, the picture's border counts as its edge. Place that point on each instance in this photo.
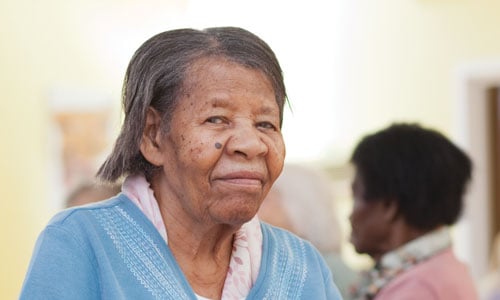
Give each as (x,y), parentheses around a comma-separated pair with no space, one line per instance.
(90,192)
(200,147)
(302,201)
(408,190)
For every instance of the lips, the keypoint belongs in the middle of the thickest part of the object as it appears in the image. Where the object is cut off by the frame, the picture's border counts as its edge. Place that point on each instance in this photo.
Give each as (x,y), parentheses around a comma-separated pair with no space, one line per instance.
(242,178)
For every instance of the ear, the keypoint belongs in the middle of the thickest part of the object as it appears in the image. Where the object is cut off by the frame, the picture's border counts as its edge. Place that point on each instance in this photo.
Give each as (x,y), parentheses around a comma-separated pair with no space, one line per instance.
(390,209)
(151,138)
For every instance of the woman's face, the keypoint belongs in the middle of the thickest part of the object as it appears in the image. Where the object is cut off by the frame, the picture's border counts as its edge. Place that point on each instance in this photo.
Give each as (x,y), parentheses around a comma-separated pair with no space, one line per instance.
(224,148)
(370,222)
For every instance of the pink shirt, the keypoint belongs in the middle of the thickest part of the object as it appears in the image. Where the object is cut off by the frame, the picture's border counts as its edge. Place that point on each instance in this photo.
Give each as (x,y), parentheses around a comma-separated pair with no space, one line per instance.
(441,277)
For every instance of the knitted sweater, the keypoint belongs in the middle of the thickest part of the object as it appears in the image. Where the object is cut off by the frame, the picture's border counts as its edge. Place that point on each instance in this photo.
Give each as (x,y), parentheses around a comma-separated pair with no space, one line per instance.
(110,250)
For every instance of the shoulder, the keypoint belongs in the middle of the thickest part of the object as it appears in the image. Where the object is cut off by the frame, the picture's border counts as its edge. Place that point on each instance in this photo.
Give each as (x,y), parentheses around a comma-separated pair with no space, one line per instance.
(441,277)
(278,239)
(86,225)
(86,239)
(79,214)
(279,236)
(67,244)
(293,266)
(80,223)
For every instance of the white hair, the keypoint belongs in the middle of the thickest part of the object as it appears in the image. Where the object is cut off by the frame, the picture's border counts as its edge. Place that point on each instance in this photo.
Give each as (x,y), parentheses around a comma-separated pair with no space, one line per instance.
(308,199)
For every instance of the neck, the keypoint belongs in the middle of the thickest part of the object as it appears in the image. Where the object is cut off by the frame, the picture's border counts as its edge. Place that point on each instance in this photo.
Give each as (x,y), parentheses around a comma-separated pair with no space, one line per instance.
(201,249)
(204,259)
(401,233)
(199,242)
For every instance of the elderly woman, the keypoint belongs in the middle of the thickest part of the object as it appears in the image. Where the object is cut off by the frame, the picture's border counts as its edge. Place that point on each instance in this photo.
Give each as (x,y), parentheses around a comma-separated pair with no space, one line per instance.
(408,188)
(200,148)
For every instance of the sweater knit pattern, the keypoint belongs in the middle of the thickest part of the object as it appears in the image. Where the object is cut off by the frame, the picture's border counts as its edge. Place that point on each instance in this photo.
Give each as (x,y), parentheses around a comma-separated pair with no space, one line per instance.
(288,265)
(139,252)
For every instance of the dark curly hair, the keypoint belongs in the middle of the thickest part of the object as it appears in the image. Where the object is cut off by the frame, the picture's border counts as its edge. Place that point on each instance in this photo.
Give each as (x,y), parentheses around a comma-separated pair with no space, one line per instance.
(417,167)
(155,78)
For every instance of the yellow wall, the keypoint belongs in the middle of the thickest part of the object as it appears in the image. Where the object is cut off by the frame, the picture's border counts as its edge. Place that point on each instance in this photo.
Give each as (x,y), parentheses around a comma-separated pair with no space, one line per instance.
(399,59)
(395,61)
(37,50)
(22,155)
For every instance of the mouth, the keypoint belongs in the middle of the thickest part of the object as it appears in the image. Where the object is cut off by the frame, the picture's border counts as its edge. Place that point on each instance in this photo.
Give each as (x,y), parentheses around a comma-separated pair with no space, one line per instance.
(242,178)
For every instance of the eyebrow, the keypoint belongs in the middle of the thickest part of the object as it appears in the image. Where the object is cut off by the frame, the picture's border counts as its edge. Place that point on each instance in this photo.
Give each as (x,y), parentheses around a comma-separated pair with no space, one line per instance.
(269,110)
(226,103)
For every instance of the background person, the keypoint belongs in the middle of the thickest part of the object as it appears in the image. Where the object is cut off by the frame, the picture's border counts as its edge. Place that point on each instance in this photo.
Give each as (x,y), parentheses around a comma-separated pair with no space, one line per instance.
(89,192)
(301,201)
(408,188)
(200,147)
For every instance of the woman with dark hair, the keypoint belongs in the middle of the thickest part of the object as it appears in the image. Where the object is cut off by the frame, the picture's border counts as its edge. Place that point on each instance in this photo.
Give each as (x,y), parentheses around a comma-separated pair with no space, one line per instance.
(408,188)
(199,149)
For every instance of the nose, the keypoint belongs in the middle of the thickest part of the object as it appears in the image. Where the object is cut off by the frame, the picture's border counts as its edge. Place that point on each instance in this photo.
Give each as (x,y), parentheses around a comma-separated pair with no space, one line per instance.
(246,140)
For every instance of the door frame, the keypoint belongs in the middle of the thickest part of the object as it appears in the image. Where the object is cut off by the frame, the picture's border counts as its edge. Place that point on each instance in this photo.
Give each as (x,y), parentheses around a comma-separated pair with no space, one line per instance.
(471,131)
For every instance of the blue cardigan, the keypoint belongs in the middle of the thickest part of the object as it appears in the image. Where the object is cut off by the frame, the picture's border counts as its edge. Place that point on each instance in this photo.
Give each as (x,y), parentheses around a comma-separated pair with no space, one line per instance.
(110,250)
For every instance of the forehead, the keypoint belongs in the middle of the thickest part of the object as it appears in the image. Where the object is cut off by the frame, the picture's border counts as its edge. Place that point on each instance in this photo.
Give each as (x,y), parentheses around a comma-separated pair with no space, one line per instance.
(207,70)
(216,79)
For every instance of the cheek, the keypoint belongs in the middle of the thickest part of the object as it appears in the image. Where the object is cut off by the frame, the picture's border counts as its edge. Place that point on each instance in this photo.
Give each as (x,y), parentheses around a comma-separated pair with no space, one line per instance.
(276,156)
(358,216)
(353,218)
(196,149)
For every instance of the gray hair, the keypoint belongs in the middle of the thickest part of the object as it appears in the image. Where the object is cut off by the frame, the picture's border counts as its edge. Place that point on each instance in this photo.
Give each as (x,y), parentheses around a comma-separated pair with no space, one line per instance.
(307,196)
(155,78)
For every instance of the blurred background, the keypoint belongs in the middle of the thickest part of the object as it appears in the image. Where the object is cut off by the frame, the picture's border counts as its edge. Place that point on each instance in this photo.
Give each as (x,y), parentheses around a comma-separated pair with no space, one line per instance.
(351,67)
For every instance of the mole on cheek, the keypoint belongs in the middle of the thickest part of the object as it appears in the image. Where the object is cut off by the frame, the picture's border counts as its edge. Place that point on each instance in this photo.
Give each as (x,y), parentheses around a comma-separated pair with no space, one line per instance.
(218,145)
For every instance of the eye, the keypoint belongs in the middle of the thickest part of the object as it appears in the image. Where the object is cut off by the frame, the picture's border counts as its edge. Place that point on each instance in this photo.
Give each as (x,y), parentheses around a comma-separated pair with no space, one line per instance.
(267,125)
(216,120)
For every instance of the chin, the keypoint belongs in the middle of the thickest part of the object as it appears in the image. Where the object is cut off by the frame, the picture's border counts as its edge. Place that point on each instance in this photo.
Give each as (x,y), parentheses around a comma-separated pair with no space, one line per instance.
(359,250)
(242,218)
(355,244)
(238,218)
(234,212)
